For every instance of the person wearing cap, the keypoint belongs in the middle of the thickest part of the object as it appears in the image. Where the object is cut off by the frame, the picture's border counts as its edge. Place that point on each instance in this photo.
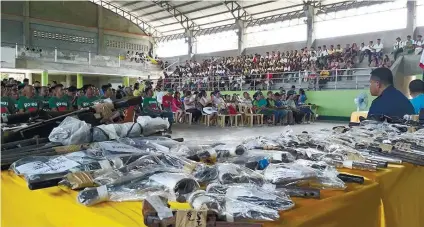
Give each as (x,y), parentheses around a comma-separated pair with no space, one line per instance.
(59,102)
(419,45)
(43,97)
(397,47)
(390,101)
(416,89)
(28,103)
(88,98)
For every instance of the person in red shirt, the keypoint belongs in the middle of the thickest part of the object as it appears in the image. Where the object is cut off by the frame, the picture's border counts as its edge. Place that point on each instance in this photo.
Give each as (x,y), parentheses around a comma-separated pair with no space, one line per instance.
(167,100)
(176,107)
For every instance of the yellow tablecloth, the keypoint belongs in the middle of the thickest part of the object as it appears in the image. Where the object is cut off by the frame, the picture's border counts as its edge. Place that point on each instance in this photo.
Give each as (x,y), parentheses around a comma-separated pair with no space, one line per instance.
(401,189)
(354,117)
(357,206)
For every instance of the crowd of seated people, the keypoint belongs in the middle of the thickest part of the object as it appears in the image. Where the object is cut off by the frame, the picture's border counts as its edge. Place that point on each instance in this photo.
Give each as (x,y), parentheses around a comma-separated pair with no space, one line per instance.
(278,108)
(409,46)
(263,71)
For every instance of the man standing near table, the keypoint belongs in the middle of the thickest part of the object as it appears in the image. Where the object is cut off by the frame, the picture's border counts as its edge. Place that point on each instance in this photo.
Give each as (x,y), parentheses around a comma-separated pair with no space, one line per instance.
(390,101)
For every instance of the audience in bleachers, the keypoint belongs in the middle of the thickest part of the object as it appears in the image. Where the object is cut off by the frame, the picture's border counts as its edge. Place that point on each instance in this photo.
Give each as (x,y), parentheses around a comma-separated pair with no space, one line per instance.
(262,71)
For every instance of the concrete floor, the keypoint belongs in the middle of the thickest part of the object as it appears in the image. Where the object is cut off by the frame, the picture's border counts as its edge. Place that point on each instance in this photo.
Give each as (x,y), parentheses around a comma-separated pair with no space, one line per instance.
(218,134)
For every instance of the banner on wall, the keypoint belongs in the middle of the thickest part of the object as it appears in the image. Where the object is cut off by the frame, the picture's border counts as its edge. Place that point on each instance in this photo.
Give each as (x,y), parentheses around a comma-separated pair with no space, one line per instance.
(8,59)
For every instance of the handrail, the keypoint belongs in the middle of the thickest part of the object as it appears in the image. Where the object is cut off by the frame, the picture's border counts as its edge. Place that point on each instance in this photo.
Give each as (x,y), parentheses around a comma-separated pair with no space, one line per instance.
(73,56)
(336,79)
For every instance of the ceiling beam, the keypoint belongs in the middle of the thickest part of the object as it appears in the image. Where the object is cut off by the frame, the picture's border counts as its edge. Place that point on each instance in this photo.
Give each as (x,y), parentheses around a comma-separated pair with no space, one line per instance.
(185,21)
(238,12)
(143,25)
(128,3)
(321,9)
(143,7)
(192,11)
(330,8)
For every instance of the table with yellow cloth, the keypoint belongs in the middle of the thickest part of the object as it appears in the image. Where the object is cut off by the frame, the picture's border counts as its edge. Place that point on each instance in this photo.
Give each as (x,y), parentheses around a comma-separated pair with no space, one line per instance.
(358,205)
(354,117)
(402,194)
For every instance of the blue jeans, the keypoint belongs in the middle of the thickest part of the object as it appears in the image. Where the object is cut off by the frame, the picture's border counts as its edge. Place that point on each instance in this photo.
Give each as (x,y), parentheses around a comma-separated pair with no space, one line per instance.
(279,115)
(307,111)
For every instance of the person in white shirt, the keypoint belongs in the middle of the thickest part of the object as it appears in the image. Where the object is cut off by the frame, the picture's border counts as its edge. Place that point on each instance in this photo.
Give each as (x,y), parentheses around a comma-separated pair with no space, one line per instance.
(324,52)
(378,49)
(419,45)
(313,57)
(397,47)
(363,50)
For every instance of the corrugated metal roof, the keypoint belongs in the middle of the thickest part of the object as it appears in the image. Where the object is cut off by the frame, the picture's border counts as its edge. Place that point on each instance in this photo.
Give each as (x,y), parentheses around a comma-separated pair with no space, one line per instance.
(170,17)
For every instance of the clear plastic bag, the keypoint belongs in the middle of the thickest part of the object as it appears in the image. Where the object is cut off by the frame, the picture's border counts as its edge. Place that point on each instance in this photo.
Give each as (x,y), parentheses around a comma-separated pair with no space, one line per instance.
(138,186)
(161,140)
(229,173)
(71,131)
(200,199)
(115,131)
(249,201)
(327,176)
(144,144)
(152,125)
(288,173)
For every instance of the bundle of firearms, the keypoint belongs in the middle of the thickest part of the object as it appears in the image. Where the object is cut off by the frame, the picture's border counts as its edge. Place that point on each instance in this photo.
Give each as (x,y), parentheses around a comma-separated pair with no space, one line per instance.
(41,123)
(407,152)
(12,155)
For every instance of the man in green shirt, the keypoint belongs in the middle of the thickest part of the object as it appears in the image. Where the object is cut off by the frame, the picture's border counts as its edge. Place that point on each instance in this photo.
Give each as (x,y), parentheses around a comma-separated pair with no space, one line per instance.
(28,103)
(7,103)
(72,96)
(43,98)
(88,99)
(151,108)
(59,102)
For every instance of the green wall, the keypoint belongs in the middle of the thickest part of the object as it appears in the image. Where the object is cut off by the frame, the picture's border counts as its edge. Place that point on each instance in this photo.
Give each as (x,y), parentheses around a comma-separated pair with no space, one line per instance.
(331,103)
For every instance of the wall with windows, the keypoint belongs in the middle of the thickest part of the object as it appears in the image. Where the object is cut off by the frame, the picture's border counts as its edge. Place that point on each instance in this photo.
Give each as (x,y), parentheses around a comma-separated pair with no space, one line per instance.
(386,21)
(71,26)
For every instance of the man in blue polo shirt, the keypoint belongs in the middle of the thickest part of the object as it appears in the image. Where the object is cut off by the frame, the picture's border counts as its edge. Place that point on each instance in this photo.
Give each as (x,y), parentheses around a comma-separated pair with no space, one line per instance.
(416,89)
(390,101)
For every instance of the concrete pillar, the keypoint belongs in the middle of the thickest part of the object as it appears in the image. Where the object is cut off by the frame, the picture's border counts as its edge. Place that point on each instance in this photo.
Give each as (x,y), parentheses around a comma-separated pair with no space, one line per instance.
(100,31)
(126,81)
(44,78)
(411,7)
(310,25)
(26,30)
(68,80)
(80,81)
(241,34)
(29,77)
(191,42)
